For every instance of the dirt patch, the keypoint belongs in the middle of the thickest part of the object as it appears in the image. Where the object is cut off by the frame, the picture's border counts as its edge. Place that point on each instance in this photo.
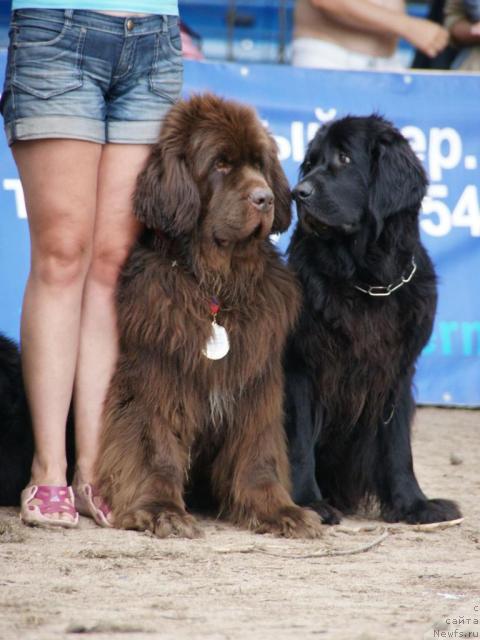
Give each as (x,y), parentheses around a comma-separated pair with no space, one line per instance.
(399,582)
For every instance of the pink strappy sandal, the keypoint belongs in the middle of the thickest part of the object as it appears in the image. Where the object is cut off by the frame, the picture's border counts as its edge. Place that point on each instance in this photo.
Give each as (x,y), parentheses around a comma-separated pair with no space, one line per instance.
(91,504)
(50,499)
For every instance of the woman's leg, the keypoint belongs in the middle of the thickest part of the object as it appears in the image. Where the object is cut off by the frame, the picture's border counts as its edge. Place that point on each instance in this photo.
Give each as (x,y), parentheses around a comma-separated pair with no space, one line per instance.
(59,179)
(115,231)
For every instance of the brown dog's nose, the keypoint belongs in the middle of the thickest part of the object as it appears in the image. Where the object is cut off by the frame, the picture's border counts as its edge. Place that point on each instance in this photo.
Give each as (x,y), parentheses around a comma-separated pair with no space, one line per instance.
(261,198)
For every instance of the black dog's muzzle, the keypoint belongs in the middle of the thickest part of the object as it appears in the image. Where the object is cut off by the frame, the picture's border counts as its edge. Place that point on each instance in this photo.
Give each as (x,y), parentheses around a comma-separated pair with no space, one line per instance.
(303,191)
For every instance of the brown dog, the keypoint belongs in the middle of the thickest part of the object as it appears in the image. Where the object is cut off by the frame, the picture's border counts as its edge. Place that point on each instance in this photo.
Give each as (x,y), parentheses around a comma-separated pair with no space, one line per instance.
(211,193)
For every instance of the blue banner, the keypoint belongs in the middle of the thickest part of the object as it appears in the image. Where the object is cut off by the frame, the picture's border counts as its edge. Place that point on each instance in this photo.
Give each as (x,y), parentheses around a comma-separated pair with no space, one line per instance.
(438,113)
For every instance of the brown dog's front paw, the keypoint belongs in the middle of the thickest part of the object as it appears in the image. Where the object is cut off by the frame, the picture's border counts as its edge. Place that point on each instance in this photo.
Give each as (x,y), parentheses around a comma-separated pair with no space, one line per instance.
(170,524)
(167,523)
(293,522)
(139,520)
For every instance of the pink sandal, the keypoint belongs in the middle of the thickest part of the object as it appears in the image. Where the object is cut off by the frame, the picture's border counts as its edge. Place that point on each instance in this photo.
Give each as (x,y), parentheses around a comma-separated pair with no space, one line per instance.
(85,498)
(52,499)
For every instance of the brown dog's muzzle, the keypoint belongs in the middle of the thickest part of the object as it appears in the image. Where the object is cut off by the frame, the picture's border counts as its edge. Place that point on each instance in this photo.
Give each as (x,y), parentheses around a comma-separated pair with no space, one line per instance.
(262,199)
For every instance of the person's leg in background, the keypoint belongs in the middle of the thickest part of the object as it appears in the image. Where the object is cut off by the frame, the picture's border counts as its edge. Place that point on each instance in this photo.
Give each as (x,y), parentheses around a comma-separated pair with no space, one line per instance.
(115,231)
(59,179)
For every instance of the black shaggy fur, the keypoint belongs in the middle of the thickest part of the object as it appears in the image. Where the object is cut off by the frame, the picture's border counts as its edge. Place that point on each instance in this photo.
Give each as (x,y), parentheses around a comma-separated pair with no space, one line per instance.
(16,442)
(16,437)
(351,360)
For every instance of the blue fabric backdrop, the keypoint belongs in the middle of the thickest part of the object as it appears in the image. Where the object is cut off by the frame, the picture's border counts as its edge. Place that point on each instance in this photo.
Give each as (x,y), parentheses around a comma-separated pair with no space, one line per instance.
(439,113)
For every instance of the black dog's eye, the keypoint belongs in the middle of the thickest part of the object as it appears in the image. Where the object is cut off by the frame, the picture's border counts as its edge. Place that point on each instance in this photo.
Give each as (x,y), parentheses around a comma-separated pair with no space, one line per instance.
(223,166)
(344,158)
(307,165)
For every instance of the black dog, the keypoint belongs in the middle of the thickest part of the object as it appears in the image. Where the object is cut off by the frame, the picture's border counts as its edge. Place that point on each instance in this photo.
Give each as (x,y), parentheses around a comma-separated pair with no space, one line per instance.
(16,441)
(369,305)
(16,436)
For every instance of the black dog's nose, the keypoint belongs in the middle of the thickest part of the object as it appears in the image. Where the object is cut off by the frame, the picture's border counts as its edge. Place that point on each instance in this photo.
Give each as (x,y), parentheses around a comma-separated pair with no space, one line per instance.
(261,198)
(303,190)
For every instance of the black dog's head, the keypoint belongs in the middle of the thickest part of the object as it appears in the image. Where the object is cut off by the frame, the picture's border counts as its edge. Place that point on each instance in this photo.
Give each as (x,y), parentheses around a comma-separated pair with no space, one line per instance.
(357,172)
(215,173)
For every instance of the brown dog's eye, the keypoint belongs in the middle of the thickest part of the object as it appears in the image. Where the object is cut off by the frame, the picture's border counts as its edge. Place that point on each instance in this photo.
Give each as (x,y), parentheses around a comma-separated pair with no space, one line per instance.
(344,159)
(222,166)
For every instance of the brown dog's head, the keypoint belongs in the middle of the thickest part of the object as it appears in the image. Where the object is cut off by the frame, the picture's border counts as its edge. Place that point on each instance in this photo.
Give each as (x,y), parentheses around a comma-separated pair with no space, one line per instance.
(214,170)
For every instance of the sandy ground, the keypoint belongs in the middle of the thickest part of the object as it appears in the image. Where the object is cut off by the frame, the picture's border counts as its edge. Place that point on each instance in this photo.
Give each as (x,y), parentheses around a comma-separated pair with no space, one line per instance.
(114,584)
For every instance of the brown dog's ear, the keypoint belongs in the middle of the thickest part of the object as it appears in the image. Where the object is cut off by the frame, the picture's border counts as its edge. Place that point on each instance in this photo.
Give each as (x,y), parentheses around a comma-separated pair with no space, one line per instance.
(281,190)
(166,196)
(398,181)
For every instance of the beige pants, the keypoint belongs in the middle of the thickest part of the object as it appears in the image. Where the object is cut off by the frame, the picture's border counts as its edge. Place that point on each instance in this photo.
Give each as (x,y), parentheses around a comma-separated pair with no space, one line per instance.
(312,52)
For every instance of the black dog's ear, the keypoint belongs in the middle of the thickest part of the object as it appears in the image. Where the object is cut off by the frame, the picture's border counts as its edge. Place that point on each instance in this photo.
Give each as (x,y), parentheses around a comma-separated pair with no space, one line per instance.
(397,181)
(281,191)
(166,196)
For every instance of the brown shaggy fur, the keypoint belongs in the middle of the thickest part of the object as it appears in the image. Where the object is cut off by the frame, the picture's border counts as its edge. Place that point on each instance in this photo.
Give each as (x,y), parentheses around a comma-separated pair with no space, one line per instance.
(171,414)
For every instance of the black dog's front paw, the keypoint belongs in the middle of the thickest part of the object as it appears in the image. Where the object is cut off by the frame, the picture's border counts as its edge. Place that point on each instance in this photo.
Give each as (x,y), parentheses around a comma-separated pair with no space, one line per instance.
(425,512)
(327,513)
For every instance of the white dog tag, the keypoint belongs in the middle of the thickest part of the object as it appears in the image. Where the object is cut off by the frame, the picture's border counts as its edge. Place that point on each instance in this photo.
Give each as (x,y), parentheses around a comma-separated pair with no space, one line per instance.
(218,344)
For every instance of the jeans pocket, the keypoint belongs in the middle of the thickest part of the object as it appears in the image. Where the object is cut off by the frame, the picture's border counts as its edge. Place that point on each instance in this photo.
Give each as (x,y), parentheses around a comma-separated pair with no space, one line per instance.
(175,39)
(47,66)
(166,74)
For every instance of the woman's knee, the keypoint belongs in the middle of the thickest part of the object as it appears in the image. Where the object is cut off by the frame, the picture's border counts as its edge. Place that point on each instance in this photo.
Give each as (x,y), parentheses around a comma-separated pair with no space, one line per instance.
(60,259)
(107,262)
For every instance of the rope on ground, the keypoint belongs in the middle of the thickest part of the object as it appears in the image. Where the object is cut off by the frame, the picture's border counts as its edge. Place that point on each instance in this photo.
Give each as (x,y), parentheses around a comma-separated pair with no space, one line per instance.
(324,554)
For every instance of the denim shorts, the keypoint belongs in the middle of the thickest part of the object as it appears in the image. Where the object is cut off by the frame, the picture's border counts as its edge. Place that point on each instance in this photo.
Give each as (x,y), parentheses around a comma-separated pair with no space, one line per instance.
(90,76)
